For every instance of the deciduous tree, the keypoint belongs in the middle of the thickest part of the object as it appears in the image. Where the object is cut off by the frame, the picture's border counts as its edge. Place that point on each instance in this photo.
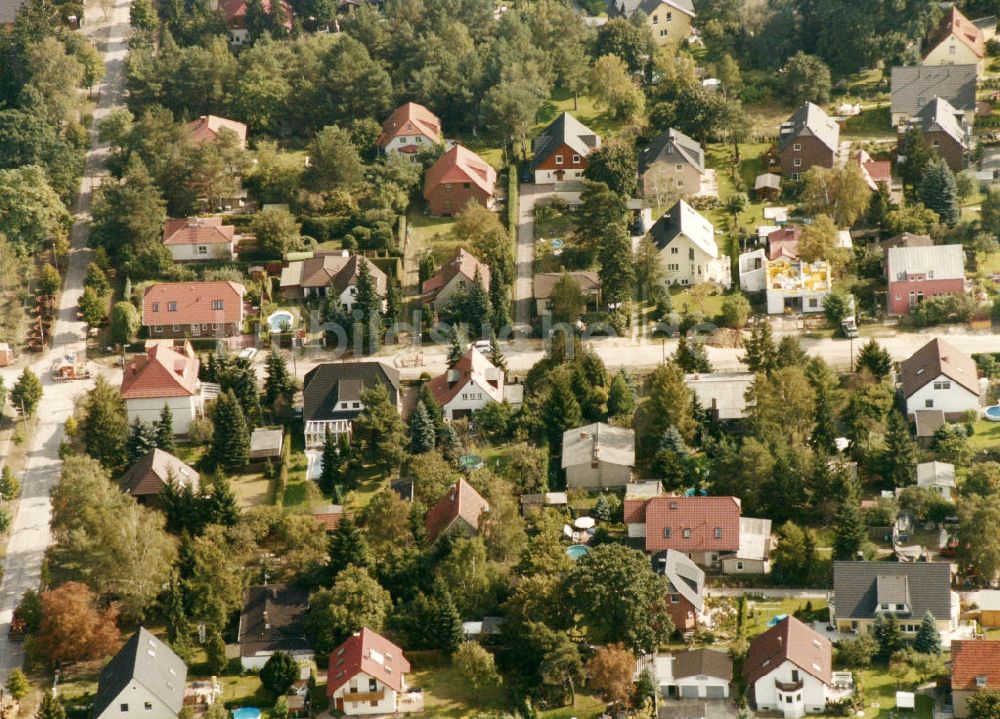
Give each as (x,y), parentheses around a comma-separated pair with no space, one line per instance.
(73,628)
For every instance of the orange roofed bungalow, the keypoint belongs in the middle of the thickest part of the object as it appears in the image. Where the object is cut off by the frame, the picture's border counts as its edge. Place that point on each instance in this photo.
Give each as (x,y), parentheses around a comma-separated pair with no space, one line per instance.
(207,127)
(459,177)
(409,129)
(166,375)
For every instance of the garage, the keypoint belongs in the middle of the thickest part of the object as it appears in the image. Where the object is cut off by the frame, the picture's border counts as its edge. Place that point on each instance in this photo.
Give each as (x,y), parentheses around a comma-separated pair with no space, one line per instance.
(715,692)
(688,692)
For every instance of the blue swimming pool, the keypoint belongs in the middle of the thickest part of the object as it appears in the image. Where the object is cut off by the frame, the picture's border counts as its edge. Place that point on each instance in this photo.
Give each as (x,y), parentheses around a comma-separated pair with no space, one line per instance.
(993,413)
(280,320)
(575,551)
(246,713)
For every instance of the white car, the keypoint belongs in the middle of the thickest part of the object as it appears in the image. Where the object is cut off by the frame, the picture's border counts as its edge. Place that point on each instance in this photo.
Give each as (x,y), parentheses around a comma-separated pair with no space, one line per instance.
(248,353)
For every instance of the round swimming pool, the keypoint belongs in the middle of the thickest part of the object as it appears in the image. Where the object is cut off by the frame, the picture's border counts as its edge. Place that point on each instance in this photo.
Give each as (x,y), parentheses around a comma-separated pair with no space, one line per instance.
(280,321)
(246,713)
(575,551)
(993,413)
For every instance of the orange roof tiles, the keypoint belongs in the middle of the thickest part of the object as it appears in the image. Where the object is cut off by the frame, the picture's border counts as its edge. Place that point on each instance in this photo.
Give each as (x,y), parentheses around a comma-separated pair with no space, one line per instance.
(190,303)
(206,128)
(163,372)
(197,231)
(369,653)
(687,524)
(457,166)
(972,659)
(461,500)
(955,23)
(410,119)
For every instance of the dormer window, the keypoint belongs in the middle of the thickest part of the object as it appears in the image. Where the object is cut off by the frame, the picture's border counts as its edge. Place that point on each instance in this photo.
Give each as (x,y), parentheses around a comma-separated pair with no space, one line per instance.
(171,307)
(687,534)
(156,307)
(673,505)
(718,532)
(981,681)
(216,304)
(666,532)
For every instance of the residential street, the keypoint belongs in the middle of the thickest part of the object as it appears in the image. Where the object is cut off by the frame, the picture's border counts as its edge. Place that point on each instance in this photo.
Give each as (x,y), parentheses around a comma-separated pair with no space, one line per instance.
(30,534)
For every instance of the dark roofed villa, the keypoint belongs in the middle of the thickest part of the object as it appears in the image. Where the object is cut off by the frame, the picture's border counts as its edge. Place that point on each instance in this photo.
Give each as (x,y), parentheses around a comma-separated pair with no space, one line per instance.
(273,620)
(332,395)
(146,676)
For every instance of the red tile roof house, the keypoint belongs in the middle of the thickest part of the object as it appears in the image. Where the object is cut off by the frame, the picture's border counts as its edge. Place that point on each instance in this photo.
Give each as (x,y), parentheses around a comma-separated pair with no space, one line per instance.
(333,275)
(784,242)
(235,13)
(788,670)
(471,384)
(913,273)
(208,127)
(366,675)
(459,510)
(193,309)
(874,171)
(458,272)
(560,150)
(408,130)
(199,239)
(459,177)
(939,376)
(165,375)
(975,666)
(709,530)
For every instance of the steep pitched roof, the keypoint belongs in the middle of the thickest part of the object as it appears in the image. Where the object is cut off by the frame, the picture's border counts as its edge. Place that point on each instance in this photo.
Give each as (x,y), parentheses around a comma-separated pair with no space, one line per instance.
(544,282)
(692,522)
(463,263)
(628,8)
(564,130)
(915,86)
(151,663)
(935,474)
(703,662)
(672,146)
(339,271)
(371,654)
(8,11)
(810,120)
(784,242)
(474,365)
(151,473)
(410,119)
(162,372)
(193,302)
(331,382)
(955,23)
(856,585)
(206,128)
(974,661)
(938,262)
(938,357)
(789,640)
(939,116)
(273,619)
(685,577)
(684,219)
(197,231)
(598,442)
(461,500)
(460,165)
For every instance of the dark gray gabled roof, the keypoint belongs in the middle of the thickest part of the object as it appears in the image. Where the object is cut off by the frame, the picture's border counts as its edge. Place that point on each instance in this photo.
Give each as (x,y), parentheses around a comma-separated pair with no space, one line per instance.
(628,8)
(564,130)
(149,662)
(938,115)
(273,619)
(703,662)
(809,120)
(856,587)
(672,146)
(329,383)
(914,87)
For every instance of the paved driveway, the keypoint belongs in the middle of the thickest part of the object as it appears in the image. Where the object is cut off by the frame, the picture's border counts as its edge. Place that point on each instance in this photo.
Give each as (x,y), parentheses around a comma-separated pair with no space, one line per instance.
(697,709)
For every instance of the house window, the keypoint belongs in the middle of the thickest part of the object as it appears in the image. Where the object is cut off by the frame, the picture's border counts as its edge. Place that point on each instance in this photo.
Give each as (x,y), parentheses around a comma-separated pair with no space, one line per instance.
(945,384)
(718,532)
(156,307)
(739,566)
(666,532)
(935,143)
(797,162)
(675,599)
(678,168)
(670,16)
(951,50)
(124,707)
(673,250)
(576,159)
(797,147)
(656,19)
(372,684)
(466,185)
(357,405)
(813,303)
(148,706)
(559,159)
(217,304)
(419,139)
(796,176)
(928,403)
(687,534)
(447,186)
(663,33)
(176,328)
(171,307)
(202,249)
(673,505)
(157,329)
(981,681)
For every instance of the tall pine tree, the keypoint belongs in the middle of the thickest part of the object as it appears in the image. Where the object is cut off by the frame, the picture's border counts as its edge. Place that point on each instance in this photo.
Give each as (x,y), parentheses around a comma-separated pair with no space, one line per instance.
(165,429)
(348,547)
(423,436)
(851,533)
(279,382)
(761,351)
(230,436)
(368,309)
(928,639)
(330,472)
(899,460)
(141,439)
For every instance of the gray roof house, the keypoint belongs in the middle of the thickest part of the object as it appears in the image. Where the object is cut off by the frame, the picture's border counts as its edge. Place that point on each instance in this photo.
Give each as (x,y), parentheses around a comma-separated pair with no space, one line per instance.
(671,165)
(144,676)
(672,146)
(863,590)
(564,130)
(628,8)
(811,120)
(273,620)
(598,455)
(331,394)
(8,11)
(939,115)
(149,475)
(916,86)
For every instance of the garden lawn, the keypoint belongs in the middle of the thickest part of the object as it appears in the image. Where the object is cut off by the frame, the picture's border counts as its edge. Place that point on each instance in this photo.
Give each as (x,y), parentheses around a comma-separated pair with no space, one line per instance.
(872,123)
(880,695)
(446,693)
(245,690)
(586,707)
(431,233)
(251,490)
(719,158)
(709,306)
(987,435)
(763,612)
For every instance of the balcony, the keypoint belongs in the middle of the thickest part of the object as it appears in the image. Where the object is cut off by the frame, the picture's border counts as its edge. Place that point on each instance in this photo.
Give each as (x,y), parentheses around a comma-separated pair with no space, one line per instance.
(364,696)
(787,686)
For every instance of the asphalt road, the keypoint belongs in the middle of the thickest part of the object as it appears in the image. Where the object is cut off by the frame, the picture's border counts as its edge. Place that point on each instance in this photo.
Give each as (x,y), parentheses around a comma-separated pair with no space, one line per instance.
(30,534)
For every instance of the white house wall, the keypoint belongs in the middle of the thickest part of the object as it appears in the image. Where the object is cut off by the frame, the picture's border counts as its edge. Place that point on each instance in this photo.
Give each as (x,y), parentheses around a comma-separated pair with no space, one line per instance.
(184,410)
(548,177)
(359,684)
(190,253)
(813,692)
(476,396)
(957,399)
(137,701)
(400,141)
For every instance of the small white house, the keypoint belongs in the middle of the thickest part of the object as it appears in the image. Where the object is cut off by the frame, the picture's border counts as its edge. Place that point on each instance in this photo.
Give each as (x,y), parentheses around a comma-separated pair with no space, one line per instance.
(471,384)
(165,375)
(598,455)
(939,476)
(367,675)
(685,242)
(939,376)
(199,239)
(145,678)
(695,674)
(788,669)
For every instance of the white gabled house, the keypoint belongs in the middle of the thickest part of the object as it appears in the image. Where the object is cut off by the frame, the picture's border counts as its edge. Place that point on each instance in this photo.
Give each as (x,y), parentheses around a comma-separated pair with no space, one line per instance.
(166,375)
(940,377)
(685,242)
(366,675)
(471,384)
(145,678)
